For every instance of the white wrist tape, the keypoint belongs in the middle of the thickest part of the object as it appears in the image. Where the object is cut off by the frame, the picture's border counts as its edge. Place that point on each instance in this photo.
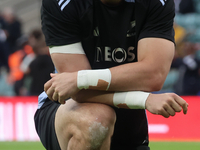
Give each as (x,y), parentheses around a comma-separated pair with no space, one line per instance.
(130,100)
(94,79)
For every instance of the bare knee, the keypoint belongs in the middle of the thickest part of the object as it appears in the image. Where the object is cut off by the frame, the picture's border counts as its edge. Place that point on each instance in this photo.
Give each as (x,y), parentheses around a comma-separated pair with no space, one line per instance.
(84,126)
(105,115)
(102,126)
(97,126)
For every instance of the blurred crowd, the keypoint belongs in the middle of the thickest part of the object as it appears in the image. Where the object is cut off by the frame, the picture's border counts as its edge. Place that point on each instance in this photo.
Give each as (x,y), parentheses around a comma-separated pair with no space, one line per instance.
(25,63)
(184,75)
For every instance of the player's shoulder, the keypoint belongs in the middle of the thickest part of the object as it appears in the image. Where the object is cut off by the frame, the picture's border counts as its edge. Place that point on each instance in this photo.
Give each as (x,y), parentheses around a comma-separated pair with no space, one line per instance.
(155,7)
(64,5)
(151,3)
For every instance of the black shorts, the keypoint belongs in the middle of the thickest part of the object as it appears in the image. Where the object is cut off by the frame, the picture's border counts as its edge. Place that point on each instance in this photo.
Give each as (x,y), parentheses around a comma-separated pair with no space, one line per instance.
(124,138)
(131,130)
(45,125)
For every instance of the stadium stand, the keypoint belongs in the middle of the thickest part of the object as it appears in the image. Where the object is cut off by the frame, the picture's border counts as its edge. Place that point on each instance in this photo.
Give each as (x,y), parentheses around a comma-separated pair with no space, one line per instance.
(191,22)
(28,11)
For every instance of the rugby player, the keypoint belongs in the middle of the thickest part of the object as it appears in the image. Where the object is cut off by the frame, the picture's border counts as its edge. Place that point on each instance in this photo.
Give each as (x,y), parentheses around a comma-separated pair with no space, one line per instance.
(109,55)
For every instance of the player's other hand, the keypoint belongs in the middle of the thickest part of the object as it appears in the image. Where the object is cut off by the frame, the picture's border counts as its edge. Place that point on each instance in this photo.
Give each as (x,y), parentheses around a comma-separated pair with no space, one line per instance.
(166,104)
(61,86)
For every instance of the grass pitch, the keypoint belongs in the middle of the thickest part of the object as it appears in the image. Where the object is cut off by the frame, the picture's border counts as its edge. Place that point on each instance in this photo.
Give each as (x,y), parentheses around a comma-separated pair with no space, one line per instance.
(153,146)
(174,145)
(21,146)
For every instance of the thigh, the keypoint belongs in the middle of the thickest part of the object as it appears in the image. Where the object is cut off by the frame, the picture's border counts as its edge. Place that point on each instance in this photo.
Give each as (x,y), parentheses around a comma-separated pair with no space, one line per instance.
(44,123)
(76,119)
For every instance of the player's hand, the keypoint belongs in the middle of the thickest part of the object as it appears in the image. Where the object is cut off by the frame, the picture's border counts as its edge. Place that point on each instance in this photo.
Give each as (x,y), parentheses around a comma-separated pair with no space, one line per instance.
(166,104)
(61,86)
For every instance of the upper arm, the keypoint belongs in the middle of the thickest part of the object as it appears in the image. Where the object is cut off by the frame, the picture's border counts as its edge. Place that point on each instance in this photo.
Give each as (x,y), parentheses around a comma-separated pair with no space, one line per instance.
(158,53)
(69,58)
(62,33)
(156,39)
(70,62)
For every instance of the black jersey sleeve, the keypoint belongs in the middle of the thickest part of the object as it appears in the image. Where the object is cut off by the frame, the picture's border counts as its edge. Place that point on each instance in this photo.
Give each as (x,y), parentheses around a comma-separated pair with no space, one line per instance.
(159,20)
(60,22)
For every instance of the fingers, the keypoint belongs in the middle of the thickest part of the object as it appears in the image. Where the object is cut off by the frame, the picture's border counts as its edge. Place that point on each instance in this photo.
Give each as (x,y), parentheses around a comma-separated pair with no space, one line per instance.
(57,89)
(53,74)
(47,85)
(182,103)
(164,113)
(55,96)
(169,110)
(61,100)
(176,106)
(166,104)
(50,92)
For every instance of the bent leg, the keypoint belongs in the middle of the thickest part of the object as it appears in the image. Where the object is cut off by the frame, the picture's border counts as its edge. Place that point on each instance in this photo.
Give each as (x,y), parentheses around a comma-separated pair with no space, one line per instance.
(84,126)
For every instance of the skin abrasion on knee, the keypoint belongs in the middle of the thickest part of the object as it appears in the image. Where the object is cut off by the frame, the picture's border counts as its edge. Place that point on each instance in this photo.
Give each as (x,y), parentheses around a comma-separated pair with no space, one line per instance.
(98,134)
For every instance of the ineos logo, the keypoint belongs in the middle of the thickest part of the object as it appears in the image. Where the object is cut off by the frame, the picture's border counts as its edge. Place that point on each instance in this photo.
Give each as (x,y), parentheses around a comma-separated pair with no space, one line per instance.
(117,53)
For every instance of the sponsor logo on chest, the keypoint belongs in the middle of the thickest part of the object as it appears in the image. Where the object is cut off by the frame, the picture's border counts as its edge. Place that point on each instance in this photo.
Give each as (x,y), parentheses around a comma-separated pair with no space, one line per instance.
(118,55)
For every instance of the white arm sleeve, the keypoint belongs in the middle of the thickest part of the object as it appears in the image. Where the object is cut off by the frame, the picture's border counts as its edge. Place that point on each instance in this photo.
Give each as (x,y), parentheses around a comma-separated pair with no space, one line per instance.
(75,48)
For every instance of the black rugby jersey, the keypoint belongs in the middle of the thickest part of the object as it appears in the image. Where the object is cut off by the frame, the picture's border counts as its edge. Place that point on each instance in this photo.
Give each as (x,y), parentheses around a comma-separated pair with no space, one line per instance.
(109,36)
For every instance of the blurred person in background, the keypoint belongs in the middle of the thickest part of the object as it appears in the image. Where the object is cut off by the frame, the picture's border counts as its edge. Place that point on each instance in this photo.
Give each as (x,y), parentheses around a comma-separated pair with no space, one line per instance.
(187,6)
(186,61)
(16,75)
(3,45)
(180,34)
(189,71)
(177,3)
(13,28)
(40,68)
(184,6)
(172,77)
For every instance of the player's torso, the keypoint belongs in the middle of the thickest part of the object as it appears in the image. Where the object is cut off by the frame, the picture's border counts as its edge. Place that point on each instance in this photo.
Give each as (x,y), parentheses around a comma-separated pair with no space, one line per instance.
(108,34)
(108,37)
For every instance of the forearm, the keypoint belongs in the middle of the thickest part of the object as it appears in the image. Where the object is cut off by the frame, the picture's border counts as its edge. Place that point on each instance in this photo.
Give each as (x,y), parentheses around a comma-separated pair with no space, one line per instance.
(137,76)
(148,74)
(127,100)
(63,86)
(94,96)
(166,104)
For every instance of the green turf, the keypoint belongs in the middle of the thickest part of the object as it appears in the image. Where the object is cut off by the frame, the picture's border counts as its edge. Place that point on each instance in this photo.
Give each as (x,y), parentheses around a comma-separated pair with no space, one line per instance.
(21,146)
(175,145)
(153,146)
